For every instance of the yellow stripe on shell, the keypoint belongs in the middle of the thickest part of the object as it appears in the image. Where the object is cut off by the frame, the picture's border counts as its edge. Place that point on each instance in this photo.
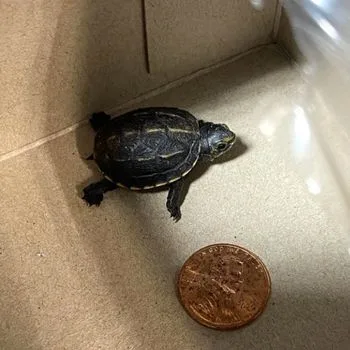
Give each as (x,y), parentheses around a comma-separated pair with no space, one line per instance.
(162,183)
(108,178)
(166,156)
(121,185)
(144,159)
(175,130)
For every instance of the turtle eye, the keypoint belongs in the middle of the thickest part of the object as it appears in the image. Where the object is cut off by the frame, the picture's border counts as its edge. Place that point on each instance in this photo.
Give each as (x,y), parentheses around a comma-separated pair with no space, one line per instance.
(221,146)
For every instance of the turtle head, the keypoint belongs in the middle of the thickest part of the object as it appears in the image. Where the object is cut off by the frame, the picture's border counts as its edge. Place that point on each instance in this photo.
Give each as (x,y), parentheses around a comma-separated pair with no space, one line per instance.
(216,139)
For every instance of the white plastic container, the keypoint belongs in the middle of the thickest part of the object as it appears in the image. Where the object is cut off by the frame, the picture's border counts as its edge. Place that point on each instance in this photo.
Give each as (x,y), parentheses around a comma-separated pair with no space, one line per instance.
(315,133)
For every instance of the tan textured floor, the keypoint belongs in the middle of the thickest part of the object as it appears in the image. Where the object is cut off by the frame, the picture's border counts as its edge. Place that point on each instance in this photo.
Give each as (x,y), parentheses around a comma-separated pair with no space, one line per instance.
(74,277)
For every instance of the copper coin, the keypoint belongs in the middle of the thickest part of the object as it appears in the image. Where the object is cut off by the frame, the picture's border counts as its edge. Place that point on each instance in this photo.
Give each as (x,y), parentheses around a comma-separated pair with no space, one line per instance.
(224,286)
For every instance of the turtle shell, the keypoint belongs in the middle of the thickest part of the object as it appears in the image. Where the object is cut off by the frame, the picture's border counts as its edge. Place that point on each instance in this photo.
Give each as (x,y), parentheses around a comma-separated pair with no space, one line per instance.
(148,147)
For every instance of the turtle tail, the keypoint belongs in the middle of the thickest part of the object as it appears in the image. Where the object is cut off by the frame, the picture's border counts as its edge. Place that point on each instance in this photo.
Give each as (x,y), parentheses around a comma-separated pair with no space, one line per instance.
(98,120)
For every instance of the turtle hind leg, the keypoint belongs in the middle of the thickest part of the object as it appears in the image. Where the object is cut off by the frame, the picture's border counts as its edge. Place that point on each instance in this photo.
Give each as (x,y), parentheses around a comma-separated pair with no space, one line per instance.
(174,199)
(98,120)
(93,193)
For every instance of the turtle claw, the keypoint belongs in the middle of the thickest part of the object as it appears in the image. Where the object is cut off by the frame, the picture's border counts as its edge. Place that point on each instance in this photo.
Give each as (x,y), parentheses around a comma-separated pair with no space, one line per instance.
(175,213)
(92,198)
(173,200)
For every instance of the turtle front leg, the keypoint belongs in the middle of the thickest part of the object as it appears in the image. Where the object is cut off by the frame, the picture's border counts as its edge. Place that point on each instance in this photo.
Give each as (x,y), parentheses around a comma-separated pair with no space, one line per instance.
(174,199)
(93,193)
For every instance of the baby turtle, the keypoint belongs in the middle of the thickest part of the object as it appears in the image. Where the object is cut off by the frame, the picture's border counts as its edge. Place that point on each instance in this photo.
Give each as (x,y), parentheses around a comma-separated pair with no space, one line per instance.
(152,147)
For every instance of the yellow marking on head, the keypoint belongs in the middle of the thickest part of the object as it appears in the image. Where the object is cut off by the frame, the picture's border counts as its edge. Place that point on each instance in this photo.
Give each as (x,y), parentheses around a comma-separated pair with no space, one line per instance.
(133,188)
(229,139)
(148,187)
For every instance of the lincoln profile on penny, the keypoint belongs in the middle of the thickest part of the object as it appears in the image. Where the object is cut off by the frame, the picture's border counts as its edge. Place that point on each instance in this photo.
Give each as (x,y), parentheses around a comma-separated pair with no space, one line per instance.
(153,147)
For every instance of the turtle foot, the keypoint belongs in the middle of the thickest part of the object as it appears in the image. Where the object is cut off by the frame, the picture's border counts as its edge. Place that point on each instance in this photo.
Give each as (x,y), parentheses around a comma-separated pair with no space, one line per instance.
(93,193)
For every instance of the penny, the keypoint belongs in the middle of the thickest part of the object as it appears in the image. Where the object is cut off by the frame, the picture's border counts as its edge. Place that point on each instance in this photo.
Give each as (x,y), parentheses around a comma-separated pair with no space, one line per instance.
(224,286)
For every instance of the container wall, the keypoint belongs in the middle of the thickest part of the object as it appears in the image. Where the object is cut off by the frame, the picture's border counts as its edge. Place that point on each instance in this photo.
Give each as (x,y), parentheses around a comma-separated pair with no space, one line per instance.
(61,60)
(319,138)
(187,35)
(286,38)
